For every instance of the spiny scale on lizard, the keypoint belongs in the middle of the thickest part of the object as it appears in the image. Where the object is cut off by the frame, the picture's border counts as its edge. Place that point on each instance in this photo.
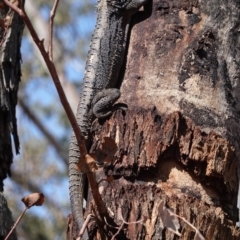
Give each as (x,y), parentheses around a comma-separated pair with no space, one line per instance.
(99,92)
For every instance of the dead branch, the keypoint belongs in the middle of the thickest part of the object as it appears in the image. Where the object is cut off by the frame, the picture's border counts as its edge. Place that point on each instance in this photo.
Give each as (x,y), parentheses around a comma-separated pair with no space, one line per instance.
(52,15)
(84,226)
(124,222)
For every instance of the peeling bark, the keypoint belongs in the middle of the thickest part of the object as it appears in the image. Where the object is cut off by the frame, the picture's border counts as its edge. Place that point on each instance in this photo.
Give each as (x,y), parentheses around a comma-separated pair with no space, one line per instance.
(139,201)
(173,157)
(179,139)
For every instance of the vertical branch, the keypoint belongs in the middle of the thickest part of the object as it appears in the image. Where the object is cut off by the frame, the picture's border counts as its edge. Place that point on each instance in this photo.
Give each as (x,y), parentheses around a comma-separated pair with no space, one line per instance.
(52,15)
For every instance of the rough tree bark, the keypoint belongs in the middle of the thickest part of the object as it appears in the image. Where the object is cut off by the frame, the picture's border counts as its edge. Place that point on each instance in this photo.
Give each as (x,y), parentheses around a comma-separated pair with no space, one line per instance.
(179,140)
(11,29)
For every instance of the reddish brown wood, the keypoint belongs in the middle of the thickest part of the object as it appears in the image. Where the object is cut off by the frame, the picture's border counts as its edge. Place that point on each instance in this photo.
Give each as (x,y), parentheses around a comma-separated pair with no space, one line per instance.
(169,158)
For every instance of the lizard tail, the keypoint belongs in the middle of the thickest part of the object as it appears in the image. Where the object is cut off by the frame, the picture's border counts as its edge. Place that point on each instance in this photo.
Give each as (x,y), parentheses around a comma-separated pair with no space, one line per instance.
(76,185)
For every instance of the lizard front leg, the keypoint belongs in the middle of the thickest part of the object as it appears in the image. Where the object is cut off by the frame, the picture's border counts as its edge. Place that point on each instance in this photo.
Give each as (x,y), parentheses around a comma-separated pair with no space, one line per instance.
(102,103)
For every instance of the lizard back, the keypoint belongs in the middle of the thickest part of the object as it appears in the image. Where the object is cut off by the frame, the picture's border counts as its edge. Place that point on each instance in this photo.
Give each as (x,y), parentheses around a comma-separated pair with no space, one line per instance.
(104,62)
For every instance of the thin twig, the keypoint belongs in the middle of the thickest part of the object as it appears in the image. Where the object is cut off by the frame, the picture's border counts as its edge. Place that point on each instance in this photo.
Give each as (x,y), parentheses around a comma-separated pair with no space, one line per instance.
(105,220)
(52,15)
(120,228)
(84,226)
(196,230)
(122,224)
(184,220)
(16,223)
(98,221)
(120,213)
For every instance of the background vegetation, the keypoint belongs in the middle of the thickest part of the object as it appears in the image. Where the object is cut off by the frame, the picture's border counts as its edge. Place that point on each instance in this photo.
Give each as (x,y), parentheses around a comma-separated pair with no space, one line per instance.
(43,128)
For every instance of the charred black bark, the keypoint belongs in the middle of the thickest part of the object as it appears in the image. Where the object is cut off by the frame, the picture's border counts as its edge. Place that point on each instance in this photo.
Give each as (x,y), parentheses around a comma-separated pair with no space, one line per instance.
(10,73)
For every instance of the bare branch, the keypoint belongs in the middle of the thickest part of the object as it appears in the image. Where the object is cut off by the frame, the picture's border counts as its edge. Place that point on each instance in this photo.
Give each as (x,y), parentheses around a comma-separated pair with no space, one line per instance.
(52,15)
(118,231)
(84,226)
(60,56)
(16,223)
(199,235)
(124,222)
(128,223)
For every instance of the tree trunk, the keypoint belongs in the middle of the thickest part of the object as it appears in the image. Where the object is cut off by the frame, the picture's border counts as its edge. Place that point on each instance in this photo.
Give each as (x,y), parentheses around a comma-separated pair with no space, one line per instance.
(178,142)
(10,40)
